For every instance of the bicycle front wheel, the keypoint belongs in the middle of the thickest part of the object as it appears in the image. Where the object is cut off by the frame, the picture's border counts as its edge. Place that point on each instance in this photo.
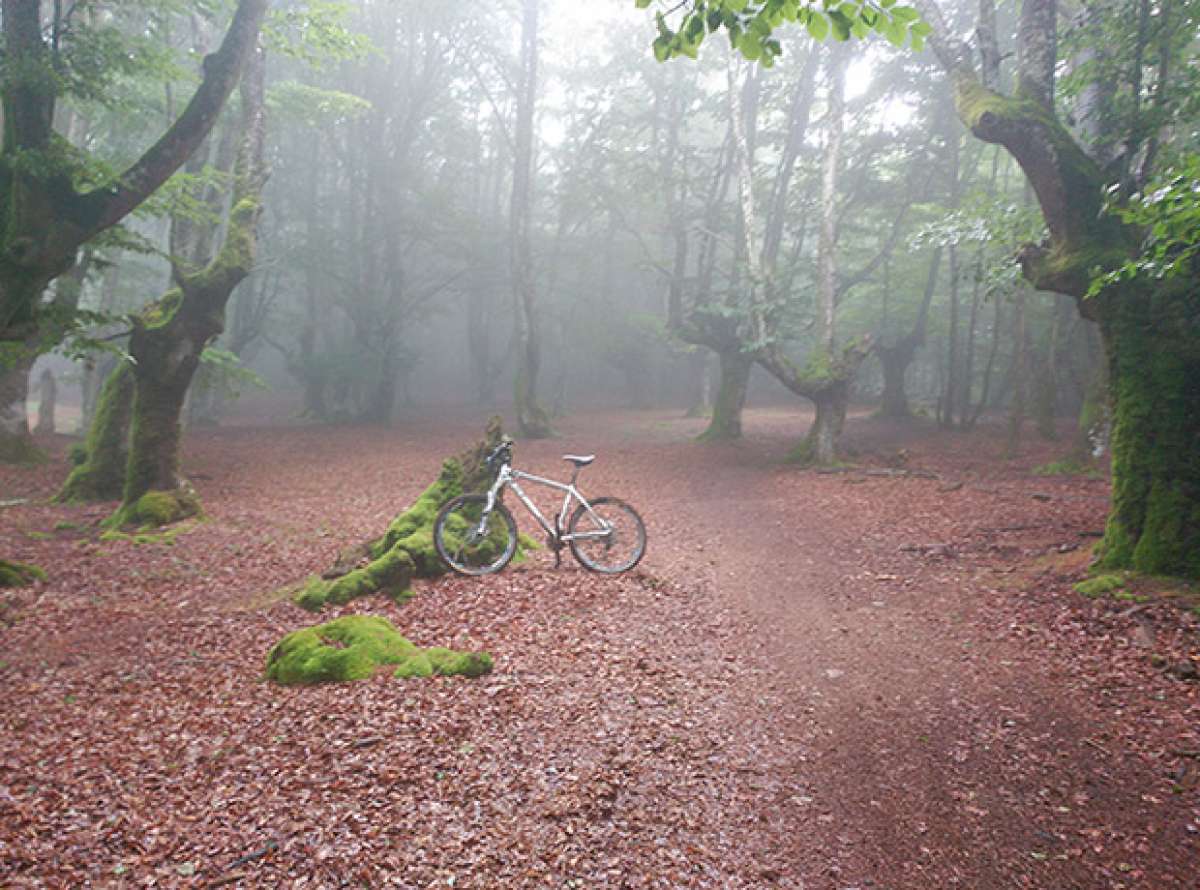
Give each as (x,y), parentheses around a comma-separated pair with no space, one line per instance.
(472,540)
(607,536)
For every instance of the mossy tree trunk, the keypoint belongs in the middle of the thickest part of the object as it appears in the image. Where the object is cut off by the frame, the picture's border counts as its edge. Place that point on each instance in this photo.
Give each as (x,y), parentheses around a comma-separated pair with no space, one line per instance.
(726,423)
(170,335)
(405,550)
(1149,328)
(101,474)
(825,381)
(1153,348)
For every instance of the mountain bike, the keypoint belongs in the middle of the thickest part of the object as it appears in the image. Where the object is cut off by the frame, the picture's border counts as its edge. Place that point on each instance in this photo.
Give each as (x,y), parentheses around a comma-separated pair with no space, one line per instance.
(475,534)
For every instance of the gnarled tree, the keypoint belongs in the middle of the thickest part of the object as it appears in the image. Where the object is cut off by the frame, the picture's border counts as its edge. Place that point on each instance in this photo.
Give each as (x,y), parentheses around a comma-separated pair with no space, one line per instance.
(45,215)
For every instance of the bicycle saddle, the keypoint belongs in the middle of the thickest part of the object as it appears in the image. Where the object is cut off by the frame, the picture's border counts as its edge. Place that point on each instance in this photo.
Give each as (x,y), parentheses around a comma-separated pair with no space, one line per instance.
(580,460)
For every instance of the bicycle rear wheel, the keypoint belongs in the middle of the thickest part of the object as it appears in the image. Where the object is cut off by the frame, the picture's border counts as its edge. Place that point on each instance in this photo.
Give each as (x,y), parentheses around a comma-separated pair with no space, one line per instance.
(471,540)
(609,538)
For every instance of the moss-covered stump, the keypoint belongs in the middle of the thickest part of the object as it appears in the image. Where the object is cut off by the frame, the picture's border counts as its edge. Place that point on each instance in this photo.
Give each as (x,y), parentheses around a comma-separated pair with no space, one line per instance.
(355,646)
(405,551)
(19,574)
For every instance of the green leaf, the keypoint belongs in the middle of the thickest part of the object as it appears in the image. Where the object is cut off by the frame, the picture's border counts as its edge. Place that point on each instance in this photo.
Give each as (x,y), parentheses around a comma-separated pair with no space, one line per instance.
(818,26)
(750,47)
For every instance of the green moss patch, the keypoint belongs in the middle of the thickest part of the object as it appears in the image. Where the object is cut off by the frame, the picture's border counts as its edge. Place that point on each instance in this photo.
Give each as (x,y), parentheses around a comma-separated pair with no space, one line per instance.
(1100,585)
(155,509)
(19,574)
(355,646)
(1068,466)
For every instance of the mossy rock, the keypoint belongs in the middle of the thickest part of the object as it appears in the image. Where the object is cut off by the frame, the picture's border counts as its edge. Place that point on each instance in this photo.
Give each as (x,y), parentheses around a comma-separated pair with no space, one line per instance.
(19,574)
(354,646)
(1100,585)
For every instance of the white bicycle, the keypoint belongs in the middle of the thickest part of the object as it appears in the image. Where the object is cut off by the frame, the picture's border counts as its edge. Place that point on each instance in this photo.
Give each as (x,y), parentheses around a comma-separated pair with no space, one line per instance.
(475,534)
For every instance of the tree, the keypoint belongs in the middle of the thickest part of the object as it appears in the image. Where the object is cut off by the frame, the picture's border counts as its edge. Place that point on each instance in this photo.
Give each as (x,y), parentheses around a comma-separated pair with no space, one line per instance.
(532,420)
(52,201)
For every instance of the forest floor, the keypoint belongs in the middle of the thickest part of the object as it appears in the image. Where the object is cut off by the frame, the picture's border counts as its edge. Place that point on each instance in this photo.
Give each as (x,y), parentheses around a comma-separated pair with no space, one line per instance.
(873,678)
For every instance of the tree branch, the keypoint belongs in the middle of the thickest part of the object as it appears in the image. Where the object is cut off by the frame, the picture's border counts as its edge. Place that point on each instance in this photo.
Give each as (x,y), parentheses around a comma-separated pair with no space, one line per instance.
(105,207)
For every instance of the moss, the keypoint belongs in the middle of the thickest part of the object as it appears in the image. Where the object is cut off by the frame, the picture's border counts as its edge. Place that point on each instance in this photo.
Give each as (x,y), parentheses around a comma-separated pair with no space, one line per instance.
(354,646)
(166,537)
(159,313)
(390,573)
(405,551)
(1154,369)
(1100,585)
(100,474)
(19,574)
(444,663)
(155,509)
(1068,466)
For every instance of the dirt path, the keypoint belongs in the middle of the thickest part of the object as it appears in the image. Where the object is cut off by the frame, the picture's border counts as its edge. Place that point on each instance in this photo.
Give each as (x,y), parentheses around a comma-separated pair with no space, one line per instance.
(941,742)
(864,679)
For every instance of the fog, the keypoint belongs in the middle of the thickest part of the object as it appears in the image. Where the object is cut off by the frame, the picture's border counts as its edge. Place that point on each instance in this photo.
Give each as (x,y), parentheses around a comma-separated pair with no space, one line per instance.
(453,218)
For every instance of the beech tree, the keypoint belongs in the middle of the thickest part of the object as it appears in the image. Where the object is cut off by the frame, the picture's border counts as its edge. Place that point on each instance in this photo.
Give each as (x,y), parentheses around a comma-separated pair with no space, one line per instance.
(52,200)
(1150,324)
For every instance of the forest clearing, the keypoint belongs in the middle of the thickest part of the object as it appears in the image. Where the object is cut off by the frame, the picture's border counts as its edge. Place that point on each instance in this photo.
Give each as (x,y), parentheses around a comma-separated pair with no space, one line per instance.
(877,677)
(870,330)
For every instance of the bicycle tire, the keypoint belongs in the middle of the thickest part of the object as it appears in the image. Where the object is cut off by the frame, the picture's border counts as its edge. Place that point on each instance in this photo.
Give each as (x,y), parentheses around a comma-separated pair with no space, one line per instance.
(492,553)
(624,519)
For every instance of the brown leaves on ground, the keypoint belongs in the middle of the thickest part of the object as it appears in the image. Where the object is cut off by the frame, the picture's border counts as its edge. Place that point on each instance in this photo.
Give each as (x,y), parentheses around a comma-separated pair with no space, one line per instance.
(862,678)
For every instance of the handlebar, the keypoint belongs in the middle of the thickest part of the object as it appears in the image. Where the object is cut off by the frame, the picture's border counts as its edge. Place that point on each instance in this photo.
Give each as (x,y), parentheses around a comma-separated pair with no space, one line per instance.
(501,454)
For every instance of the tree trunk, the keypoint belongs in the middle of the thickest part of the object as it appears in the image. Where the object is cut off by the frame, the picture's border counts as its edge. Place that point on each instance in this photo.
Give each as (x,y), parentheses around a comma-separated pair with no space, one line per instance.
(16,442)
(894,360)
(1020,376)
(819,447)
(699,386)
(162,376)
(532,420)
(101,474)
(47,404)
(1154,376)
(726,422)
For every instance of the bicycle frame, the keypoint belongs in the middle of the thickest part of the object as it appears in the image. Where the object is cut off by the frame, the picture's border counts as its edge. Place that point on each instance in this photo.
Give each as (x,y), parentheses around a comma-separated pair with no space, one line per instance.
(508,477)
